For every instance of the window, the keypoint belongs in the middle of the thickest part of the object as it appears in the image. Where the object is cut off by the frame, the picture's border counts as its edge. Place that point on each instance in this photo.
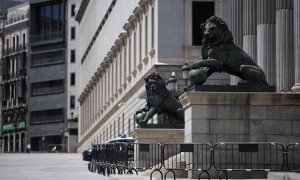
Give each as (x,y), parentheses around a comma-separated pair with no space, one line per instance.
(73,131)
(72,79)
(48,87)
(47,116)
(49,23)
(72,33)
(201,11)
(18,42)
(73,56)
(72,102)
(73,10)
(7,44)
(14,43)
(47,58)
(24,40)
(50,18)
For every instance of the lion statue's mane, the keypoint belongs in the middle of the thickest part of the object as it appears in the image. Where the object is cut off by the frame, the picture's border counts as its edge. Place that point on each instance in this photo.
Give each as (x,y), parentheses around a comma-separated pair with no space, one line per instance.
(225,36)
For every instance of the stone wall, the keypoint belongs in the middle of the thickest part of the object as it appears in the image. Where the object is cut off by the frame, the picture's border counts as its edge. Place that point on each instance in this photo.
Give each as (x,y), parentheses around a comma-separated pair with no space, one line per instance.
(241,117)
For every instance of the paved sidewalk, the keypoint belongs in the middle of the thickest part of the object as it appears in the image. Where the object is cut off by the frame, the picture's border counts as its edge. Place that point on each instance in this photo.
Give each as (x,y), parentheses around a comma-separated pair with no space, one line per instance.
(52,166)
(45,166)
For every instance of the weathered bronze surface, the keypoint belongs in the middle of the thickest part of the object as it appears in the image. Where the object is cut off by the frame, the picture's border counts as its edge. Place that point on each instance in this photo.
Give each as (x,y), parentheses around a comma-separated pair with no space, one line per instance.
(219,54)
(159,100)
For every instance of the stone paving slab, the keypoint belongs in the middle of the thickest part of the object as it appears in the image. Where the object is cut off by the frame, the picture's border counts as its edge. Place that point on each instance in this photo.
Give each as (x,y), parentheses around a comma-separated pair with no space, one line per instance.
(52,166)
(45,166)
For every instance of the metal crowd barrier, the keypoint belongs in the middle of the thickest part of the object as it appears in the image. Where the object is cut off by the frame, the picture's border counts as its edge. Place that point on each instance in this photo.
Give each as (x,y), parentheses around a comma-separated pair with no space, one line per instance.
(127,158)
(258,156)
(124,158)
(196,157)
(293,157)
(144,157)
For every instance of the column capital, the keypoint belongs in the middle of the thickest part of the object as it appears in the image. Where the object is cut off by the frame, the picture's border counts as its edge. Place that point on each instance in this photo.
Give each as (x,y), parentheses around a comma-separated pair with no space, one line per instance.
(99,71)
(132,18)
(110,55)
(123,37)
(119,44)
(115,50)
(128,27)
(94,80)
(138,11)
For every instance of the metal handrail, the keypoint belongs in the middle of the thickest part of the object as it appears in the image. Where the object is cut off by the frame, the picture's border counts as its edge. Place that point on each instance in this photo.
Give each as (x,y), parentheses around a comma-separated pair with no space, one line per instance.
(253,156)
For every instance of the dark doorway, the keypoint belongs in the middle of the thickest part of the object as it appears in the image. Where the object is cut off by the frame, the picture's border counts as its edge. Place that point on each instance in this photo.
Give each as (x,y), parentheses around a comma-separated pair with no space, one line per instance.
(201,12)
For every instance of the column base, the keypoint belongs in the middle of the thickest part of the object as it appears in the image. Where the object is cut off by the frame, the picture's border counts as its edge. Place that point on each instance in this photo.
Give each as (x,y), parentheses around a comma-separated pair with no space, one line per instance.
(296,88)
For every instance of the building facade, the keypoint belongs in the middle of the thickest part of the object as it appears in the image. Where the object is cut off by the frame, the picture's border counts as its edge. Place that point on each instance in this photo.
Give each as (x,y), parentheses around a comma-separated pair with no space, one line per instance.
(123,41)
(52,76)
(73,65)
(47,75)
(13,84)
(2,23)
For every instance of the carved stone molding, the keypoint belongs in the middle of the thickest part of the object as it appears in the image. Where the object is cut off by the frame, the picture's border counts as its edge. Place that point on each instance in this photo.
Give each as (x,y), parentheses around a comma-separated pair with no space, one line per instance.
(123,37)
(133,20)
(128,27)
(115,50)
(138,11)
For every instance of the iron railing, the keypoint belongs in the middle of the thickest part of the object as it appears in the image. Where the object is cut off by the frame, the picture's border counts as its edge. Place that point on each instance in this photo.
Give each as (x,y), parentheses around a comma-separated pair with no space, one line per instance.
(127,158)
(293,157)
(248,156)
(196,157)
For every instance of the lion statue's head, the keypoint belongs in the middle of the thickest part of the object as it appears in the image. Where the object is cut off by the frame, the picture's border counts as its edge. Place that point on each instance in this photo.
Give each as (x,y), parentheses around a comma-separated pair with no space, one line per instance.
(155,85)
(215,32)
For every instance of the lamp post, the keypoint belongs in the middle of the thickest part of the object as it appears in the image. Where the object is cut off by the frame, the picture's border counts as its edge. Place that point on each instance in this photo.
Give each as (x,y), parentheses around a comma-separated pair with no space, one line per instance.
(172,83)
(185,75)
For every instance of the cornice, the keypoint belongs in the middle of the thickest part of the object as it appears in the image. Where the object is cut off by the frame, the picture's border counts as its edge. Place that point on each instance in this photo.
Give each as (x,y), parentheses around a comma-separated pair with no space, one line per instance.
(239,98)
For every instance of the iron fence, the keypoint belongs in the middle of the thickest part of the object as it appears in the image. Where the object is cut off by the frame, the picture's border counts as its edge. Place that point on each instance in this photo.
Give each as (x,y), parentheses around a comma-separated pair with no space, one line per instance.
(144,156)
(258,156)
(125,158)
(196,157)
(293,157)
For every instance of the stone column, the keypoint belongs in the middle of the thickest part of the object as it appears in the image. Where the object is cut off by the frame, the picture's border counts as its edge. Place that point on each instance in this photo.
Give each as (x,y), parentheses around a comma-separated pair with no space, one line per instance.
(266,47)
(8,142)
(236,28)
(284,45)
(20,142)
(14,142)
(249,28)
(296,87)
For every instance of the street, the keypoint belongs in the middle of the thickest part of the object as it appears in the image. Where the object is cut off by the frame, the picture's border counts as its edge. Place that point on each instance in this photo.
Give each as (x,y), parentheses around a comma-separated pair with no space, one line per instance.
(45,166)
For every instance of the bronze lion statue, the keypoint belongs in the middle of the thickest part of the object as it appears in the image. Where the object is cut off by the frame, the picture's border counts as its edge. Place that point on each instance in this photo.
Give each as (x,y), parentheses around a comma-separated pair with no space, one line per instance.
(220,54)
(159,100)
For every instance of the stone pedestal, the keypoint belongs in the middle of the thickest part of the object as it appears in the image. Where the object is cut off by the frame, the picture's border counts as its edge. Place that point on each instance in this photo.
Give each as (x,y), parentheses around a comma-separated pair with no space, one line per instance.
(162,136)
(158,135)
(212,117)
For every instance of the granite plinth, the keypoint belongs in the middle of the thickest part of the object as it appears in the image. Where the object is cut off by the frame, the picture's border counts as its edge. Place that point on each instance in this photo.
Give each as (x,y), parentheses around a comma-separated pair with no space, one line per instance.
(234,88)
(162,126)
(158,135)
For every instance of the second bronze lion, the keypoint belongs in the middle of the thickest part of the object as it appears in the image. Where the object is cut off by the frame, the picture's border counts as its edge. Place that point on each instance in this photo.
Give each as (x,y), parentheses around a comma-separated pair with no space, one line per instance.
(220,54)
